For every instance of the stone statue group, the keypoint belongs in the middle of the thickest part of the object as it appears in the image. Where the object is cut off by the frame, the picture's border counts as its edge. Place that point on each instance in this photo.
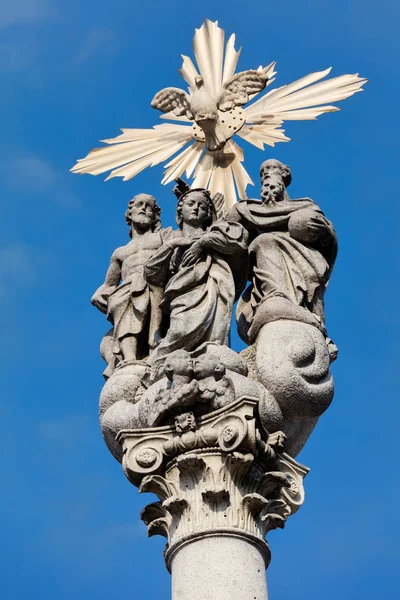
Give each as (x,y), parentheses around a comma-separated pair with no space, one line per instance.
(169,295)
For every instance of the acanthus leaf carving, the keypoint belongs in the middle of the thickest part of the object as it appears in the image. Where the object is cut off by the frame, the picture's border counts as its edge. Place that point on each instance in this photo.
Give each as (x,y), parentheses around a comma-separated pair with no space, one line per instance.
(159,527)
(275,514)
(157,485)
(217,500)
(252,505)
(249,490)
(156,518)
(271,482)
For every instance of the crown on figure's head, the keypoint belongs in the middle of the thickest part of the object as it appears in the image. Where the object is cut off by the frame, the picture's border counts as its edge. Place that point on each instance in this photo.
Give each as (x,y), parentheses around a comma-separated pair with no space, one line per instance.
(182,189)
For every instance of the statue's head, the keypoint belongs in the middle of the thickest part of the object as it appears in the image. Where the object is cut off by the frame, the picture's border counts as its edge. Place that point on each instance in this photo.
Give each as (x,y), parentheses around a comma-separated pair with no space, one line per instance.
(185,422)
(275,178)
(196,208)
(178,363)
(143,211)
(207,365)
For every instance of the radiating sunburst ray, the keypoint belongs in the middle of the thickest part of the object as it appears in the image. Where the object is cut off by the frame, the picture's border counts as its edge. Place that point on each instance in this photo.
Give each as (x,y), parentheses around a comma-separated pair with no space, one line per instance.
(185,161)
(184,139)
(134,150)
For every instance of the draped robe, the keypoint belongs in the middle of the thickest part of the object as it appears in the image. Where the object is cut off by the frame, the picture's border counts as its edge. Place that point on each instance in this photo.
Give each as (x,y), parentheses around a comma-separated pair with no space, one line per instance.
(132,305)
(199,298)
(280,264)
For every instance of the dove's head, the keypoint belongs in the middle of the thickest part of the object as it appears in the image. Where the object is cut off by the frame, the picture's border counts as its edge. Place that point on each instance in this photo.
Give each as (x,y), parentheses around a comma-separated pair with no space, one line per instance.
(203,105)
(275,178)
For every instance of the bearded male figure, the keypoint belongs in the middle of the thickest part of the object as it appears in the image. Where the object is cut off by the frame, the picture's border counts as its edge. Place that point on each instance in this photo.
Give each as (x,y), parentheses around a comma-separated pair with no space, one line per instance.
(131,304)
(292,252)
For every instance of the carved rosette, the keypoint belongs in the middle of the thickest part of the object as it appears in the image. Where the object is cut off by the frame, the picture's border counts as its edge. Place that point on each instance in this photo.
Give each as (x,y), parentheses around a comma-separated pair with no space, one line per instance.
(219,474)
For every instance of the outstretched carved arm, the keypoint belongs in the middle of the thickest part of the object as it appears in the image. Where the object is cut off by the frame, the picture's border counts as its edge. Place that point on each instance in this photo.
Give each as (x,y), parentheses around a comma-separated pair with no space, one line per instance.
(113,277)
(157,269)
(226,238)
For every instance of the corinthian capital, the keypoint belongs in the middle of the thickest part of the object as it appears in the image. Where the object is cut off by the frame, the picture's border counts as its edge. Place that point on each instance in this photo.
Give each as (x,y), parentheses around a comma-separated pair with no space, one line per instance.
(216,475)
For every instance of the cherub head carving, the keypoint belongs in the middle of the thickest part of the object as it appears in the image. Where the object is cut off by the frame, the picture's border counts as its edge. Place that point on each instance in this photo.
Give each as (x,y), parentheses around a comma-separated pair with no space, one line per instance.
(185,422)
(179,363)
(207,365)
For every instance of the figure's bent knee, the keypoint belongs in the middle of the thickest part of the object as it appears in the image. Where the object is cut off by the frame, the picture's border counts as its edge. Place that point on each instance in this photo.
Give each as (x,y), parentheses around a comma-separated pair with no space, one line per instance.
(263,242)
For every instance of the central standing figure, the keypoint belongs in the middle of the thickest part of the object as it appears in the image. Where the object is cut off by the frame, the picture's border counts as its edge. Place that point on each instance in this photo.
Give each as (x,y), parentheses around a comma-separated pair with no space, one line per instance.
(203,269)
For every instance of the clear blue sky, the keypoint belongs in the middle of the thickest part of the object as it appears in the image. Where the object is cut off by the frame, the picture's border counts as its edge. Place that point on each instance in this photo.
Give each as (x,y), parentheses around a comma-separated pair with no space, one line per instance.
(75,72)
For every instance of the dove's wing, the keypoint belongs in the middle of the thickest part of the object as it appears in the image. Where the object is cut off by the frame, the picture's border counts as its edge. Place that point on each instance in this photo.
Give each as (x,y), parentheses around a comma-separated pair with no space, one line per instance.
(238,90)
(173,99)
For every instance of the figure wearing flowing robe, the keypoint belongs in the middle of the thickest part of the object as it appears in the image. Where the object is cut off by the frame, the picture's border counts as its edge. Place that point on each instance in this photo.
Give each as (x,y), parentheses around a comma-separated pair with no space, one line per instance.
(202,274)
(291,254)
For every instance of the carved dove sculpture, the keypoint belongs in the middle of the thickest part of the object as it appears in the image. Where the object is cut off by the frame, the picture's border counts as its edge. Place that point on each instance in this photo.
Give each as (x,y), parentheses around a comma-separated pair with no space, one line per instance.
(207,109)
(201,135)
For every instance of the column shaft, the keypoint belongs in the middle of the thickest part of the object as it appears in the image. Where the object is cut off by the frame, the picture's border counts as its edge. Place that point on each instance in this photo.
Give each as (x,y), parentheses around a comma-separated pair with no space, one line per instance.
(222,567)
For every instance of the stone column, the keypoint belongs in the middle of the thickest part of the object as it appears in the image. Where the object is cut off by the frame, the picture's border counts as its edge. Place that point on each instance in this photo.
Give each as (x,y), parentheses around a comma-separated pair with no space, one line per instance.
(222,484)
(221,566)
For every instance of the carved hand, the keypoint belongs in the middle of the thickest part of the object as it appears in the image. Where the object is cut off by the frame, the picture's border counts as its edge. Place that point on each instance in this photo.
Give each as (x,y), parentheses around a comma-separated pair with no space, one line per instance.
(100,297)
(192,254)
(307,226)
(316,227)
(180,242)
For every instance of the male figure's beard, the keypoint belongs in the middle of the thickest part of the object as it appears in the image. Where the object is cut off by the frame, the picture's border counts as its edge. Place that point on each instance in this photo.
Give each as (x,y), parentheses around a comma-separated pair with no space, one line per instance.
(142,221)
(268,197)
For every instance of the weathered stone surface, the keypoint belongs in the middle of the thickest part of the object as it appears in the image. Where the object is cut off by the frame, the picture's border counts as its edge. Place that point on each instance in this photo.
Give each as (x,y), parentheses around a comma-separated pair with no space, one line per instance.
(212,432)
(293,364)
(292,252)
(199,270)
(196,381)
(123,385)
(202,271)
(219,566)
(119,416)
(222,484)
(131,304)
(297,432)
